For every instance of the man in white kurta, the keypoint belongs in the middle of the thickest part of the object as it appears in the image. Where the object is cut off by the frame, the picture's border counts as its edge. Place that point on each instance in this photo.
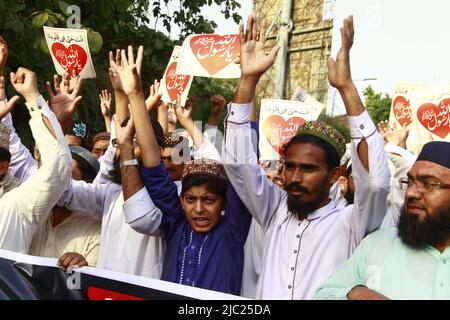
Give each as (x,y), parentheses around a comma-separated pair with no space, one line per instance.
(24,207)
(300,254)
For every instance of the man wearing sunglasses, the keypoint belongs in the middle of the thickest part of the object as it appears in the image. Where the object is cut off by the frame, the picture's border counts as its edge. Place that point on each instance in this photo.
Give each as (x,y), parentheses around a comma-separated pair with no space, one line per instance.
(412,262)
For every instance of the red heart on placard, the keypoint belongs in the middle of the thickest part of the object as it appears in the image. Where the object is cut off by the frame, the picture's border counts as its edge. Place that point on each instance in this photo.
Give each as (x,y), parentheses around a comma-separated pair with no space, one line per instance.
(175,83)
(402,110)
(215,52)
(279,131)
(435,119)
(72,58)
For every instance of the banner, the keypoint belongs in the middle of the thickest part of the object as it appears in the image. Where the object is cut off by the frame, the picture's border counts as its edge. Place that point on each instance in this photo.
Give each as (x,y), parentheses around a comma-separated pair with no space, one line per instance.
(301,95)
(174,84)
(278,123)
(24,277)
(432,111)
(69,49)
(210,55)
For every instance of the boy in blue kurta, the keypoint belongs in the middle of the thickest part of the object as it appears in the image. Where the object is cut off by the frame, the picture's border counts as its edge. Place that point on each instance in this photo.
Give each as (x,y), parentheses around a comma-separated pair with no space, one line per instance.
(204,248)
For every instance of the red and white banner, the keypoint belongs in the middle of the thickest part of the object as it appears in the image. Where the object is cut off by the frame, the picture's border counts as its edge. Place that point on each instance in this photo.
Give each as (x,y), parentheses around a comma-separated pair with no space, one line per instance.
(210,55)
(278,123)
(69,49)
(174,84)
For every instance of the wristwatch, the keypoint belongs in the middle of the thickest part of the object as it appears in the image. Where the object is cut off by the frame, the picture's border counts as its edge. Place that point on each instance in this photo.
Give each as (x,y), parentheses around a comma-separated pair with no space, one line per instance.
(126,163)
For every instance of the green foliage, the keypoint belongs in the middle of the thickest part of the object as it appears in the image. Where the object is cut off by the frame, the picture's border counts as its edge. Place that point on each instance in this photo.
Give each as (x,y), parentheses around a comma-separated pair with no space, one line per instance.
(203,89)
(111,24)
(377,105)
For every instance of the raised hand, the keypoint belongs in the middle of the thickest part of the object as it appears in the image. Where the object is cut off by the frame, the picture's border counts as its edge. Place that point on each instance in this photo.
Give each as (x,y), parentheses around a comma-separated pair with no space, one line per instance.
(124,135)
(394,134)
(105,103)
(184,115)
(3,54)
(217,105)
(64,101)
(127,72)
(24,82)
(153,101)
(114,77)
(339,74)
(253,59)
(5,108)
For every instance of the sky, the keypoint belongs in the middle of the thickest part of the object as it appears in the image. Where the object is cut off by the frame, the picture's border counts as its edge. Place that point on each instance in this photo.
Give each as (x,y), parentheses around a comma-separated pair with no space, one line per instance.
(395,41)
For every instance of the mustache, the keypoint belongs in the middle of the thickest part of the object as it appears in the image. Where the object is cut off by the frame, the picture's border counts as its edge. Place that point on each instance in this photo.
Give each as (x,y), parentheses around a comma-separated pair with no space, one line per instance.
(414,203)
(295,186)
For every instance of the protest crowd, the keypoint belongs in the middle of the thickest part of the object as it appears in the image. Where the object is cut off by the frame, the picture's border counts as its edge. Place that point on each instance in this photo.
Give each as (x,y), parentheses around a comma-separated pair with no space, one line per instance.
(365,220)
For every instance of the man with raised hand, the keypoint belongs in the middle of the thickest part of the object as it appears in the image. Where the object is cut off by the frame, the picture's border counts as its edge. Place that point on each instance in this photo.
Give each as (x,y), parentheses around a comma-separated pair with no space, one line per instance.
(307,235)
(24,206)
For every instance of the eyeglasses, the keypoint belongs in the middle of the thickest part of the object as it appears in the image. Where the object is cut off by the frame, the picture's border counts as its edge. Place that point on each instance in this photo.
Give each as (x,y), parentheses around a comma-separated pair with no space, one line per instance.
(115,144)
(423,185)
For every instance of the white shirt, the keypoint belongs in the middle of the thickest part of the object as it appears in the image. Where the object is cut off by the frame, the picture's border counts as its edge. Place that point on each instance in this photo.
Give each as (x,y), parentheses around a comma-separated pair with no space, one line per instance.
(77,233)
(25,207)
(121,248)
(300,255)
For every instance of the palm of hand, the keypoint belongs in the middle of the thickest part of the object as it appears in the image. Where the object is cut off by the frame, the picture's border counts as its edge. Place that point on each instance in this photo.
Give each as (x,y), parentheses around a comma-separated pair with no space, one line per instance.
(115,82)
(254,60)
(105,107)
(130,79)
(61,104)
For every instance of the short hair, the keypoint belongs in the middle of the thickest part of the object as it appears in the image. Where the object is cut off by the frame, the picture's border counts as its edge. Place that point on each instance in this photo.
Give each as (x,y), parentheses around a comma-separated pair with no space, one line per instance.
(214,184)
(333,159)
(5,155)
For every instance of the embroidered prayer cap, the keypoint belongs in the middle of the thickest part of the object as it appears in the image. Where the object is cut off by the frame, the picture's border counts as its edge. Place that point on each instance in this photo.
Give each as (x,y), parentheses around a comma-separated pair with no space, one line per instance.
(4,137)
(80,153)
(101,136)
(325,132)
(172,139)
(437,152)
(204,167)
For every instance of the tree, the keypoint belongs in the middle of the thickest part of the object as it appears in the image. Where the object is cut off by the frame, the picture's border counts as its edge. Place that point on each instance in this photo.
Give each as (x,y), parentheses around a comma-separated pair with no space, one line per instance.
(111,24)
(377,105)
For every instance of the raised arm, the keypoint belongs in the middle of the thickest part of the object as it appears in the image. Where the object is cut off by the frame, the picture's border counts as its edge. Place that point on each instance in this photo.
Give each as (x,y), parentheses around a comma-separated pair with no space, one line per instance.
(22,163)
(43,188)
(185,119)
(140,211)
(65,99)
(369,161)
(131,82)
(339,76)
(260,196)
(105,107)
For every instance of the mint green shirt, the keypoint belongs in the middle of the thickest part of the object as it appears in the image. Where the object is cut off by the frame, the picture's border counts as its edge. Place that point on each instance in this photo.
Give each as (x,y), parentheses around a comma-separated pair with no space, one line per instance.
(384,264)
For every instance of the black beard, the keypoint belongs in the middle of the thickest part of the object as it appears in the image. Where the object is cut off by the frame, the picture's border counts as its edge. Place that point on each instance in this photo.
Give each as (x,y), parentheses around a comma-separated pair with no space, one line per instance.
(298,206)
(433,230)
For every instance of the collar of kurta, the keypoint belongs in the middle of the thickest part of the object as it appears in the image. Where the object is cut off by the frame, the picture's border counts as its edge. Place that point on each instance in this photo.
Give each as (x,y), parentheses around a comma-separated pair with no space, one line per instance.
(315,215)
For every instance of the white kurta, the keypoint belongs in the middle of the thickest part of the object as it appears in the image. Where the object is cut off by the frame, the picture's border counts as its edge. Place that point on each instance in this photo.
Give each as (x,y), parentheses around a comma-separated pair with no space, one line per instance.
(121,248)
(301,255)
(77,233)
(25,207)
